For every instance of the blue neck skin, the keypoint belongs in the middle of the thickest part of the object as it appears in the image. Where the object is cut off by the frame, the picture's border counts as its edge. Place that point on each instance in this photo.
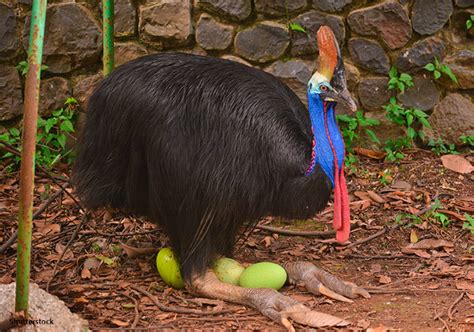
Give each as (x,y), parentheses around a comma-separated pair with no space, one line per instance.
(323,123)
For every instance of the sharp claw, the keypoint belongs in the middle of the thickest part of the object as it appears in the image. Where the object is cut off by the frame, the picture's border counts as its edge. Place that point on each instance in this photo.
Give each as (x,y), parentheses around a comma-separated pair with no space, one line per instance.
(358,290)
(333,295)
(303,315)
(286,323)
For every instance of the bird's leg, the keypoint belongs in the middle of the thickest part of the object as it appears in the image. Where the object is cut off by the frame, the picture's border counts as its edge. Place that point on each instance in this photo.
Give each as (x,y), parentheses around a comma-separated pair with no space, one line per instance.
(319,281)
(280,308)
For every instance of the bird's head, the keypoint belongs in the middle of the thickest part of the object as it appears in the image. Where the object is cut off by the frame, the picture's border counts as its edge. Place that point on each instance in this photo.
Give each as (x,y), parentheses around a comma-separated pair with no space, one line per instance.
(329,83)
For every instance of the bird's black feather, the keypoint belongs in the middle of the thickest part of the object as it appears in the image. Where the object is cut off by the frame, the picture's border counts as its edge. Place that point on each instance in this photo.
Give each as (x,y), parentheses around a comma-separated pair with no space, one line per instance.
(201,146)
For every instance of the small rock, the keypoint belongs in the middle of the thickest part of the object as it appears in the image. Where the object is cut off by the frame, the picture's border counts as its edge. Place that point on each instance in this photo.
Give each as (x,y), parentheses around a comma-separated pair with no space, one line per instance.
(235,10)
(305,43)
(295,74)
(236,59)
(73,39)
(84,88)
(212,35)
(373,92)
(424,94)
(279,8)
(330,5)
(9,41)
(53,93)
(125,52)
(166,21)
(464,3)
(125,18)
(451,118)
(42,306)
(462,65)
(369,55)
(389,20)
(386,129)
(263,42)
(429,16)
(352,75)
(420,54)
(11,100)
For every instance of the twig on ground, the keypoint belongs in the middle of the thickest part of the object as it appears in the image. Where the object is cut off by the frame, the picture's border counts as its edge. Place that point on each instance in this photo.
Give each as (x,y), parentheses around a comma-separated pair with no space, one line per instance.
(73,237)
(166,308)
(281,231)
(451,308)
(137,313)
(381,256)
(88,232)
(371,237)
(36,214)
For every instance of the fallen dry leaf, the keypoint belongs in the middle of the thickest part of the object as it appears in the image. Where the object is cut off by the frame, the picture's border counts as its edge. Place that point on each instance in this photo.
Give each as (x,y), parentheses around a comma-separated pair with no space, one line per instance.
(119,323)
(86,273)
(369,153)
(413,236)
(419,253)
(385,279)
(457,163)
(465,285)
(375,197)
(400,184)
(133,252)
(431,244)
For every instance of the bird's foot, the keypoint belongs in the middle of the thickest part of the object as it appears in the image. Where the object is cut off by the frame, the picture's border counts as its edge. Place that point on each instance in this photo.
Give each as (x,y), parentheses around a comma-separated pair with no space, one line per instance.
(280,308)
(319,281)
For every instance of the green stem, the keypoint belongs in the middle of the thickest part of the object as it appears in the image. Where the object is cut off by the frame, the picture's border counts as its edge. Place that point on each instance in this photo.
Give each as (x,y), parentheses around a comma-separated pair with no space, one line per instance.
(108,35)
(27,171)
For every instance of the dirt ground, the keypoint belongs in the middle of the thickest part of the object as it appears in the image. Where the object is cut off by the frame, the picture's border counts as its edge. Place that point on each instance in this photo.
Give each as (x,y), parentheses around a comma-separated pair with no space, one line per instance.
(420,274)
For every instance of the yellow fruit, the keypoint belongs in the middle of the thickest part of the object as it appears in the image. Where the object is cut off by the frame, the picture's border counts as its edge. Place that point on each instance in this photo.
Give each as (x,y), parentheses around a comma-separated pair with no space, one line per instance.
(263,275)
(168,268)
(228,270)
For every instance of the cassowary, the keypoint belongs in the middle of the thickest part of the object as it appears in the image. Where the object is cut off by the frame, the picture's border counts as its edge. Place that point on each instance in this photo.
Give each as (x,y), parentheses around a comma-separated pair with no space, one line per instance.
(206,146)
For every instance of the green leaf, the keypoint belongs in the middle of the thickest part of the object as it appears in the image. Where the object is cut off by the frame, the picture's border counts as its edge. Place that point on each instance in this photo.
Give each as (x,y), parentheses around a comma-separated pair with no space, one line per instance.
(424,122)
(58,112)
(430,67)
(62,140)
(409,119)
(445,69)
(411,132)
(406,78)
(401,86)
(14,132)
(393,80)
(106,260)
(296,27)
(437,74)
(421,134)
(67,126)
(372,136)
(419,113)
(468,24)
(393,72)
(437,64)
(50,123)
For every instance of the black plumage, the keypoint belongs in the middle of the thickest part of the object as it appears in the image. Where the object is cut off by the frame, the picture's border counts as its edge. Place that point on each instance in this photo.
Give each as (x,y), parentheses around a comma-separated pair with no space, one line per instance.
(201,146)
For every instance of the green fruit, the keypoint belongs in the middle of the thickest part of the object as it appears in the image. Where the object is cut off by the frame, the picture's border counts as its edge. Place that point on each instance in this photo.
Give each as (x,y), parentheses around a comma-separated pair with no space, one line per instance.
(263,275)
(168,268)
(228,270)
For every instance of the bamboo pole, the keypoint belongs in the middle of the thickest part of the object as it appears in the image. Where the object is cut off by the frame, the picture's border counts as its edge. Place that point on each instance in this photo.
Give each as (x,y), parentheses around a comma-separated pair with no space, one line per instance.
(27,169)
(108,35)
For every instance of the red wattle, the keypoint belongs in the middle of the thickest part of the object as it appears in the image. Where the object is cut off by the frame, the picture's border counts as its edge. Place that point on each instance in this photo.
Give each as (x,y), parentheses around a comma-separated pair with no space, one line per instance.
(342,233)
(337,221)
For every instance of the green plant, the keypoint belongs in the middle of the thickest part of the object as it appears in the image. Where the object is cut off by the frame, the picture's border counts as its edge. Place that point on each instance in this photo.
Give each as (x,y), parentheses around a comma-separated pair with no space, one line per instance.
(51,138)
(439,147)
(467,140)
(438,68)
(399,81)
(413,219)
(393,148)
(296,27)
(469,223)
(385,177)
(469,22)
(351,127)
(22,67)
(442,218)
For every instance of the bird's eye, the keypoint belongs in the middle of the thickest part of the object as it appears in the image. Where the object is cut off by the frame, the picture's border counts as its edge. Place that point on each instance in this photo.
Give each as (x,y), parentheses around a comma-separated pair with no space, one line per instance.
(323,88)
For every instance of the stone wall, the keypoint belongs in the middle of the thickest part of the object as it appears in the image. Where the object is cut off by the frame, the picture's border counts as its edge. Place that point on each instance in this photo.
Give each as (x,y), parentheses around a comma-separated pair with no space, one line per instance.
(373,35)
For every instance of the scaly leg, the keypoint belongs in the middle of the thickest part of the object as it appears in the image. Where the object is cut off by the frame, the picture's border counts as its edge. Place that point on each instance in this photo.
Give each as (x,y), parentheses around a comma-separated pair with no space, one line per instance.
(269,302)
(319,281)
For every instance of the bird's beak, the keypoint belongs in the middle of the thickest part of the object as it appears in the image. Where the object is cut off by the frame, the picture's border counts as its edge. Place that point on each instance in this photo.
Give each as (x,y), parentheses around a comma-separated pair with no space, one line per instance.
(344,97)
